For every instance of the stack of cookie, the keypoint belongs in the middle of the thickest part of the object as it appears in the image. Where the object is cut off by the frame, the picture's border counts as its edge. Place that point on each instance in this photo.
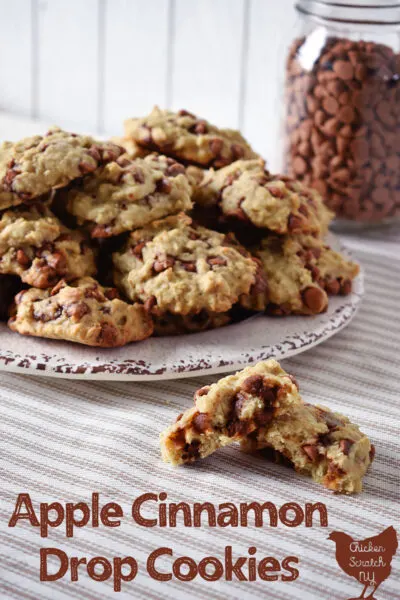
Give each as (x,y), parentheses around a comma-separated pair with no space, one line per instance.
(180,216)
(279,221)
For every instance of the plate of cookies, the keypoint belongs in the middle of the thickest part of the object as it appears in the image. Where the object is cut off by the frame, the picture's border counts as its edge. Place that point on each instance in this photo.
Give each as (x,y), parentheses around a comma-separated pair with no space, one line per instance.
(170,252)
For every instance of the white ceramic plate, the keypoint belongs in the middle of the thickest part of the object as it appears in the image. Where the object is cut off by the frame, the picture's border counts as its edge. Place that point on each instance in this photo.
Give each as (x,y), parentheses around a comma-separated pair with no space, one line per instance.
(226,349)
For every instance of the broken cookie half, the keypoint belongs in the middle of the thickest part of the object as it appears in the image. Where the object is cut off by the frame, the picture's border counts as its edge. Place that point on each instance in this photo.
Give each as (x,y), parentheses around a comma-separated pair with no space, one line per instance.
(261,407)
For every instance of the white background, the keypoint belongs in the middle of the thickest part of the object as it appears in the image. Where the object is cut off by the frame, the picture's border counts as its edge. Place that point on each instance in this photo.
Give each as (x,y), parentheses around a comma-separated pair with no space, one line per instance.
(89,64)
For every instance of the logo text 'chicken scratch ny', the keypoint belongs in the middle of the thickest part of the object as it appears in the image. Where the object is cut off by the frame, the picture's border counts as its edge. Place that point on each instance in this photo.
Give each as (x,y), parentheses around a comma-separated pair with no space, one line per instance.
(368,561)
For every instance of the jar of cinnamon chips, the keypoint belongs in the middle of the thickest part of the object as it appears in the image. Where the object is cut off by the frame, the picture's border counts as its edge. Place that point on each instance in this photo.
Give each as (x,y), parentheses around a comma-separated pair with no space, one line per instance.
(342,107)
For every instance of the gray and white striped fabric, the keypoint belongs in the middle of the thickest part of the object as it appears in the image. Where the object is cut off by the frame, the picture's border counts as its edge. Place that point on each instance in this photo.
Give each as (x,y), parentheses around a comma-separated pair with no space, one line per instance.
(61,440)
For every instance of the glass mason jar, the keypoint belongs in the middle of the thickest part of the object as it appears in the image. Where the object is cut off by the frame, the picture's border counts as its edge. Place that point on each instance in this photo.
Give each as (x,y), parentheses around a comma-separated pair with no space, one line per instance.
(342,107)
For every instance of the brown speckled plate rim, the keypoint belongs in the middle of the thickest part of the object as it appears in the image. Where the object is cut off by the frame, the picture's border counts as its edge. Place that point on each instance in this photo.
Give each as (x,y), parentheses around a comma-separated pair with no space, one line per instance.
(53,365)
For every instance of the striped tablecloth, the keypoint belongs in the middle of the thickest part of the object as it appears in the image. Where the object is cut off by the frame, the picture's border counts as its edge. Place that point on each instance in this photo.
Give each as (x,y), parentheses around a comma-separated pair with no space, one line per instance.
(61,440)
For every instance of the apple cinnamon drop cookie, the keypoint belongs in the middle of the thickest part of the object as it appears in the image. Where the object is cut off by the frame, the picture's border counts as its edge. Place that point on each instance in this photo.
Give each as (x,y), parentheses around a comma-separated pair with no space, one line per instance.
(245,192)
(261,407)
(301,270)
(291,289)
(320,443)
(37,165)
(227,411)
(187,138)
(83,312)
(177,267)
(330,269)
(126,194)
(35,245)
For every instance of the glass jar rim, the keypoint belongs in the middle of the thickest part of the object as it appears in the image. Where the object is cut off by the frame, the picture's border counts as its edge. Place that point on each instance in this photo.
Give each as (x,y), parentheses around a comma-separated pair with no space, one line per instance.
(314,9)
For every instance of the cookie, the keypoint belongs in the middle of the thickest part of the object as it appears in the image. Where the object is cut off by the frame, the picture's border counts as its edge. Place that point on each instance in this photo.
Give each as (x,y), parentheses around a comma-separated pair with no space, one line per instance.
(330,269)
(319,443)
(245,192)
(178,267)
(228,411)
(301,270)
(37,165)
(261,407)
(127,194)
(37,247)
(188,138)
(82,312)
(291,289)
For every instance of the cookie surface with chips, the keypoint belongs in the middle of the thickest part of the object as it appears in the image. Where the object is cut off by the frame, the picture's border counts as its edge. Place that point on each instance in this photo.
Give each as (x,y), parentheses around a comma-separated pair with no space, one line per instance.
(244,191)
(33,167)
(83,311)
(187,138)
(126,194)
(37,247)
(182,268)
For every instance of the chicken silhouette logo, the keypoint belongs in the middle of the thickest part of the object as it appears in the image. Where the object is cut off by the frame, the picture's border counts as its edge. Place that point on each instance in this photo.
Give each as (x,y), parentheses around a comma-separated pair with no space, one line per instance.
(368,561)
